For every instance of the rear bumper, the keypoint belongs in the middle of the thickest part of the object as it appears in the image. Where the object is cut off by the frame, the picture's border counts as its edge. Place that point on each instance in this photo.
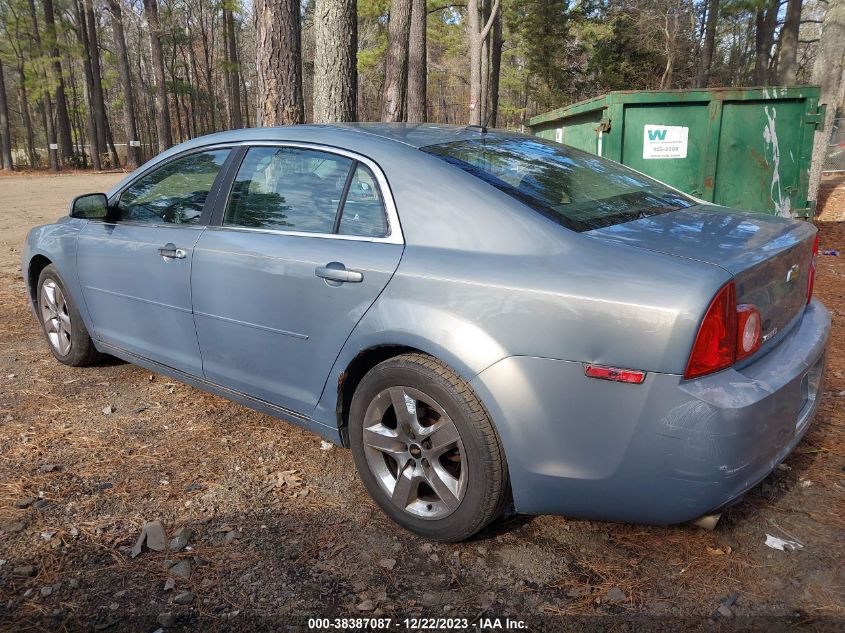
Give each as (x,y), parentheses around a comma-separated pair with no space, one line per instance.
(666,451)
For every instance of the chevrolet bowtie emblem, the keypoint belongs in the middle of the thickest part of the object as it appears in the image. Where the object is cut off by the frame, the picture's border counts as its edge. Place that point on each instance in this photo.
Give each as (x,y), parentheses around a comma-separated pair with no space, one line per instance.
(792,273)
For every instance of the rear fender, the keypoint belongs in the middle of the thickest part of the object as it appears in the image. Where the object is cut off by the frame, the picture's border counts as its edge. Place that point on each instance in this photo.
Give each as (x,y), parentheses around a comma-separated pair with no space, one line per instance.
(457,342)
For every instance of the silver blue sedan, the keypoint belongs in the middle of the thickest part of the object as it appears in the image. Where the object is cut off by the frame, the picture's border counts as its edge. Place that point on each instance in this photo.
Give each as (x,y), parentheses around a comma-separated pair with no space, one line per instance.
(491,321)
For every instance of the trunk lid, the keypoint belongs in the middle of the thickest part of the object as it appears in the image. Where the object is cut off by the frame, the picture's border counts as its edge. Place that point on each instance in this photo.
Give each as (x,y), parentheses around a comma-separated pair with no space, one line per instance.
(768,256)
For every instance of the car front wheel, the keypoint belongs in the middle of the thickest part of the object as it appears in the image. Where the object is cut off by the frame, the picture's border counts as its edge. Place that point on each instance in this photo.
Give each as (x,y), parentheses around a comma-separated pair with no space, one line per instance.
(426,449)
(63,327)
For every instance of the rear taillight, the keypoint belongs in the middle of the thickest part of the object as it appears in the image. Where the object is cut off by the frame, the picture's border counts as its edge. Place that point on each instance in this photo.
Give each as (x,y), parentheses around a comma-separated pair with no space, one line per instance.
(728,333)
(748,330)
(811,274)
(715,343)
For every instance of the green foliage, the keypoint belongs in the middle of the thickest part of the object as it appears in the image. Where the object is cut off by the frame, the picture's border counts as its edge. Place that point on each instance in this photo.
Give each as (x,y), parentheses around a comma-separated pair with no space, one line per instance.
(544,30)
(372,35)
(179,86)
(621,57)
(373,10)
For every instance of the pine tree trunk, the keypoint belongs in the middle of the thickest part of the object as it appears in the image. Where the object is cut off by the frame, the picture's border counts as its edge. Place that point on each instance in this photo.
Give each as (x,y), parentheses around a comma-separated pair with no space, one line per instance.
(702,79)
(192,105)
(417,63)
(76,124)
(110,142)
(209,84)
(335,63)
(227,82)
(174,99)
(766,21)
(5,128)
(485,67)
(244,91)
(245,107)
(62,117)
(91,127)
(46,105)
(396,61)
(133,154)
(162,110)
(495,69)
(476,36)
(788,60)
(98,102)
(232,69)
(829,74)
(23,98)
(278,62)
(201,125)
(45,108)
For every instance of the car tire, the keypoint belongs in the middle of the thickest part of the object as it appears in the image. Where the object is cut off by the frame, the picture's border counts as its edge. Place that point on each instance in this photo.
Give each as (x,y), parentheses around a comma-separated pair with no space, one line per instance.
(61,322)
(437,468)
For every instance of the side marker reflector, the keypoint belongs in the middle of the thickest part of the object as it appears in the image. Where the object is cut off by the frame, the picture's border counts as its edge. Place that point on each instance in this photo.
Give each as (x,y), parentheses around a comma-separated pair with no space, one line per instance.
(614,373)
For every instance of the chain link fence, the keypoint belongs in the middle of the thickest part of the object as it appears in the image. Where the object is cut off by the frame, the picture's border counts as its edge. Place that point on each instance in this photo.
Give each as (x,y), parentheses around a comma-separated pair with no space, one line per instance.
(835,160)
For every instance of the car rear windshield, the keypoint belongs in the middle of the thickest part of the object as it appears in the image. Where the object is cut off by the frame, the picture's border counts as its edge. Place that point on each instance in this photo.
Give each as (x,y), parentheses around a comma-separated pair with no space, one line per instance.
(576,189)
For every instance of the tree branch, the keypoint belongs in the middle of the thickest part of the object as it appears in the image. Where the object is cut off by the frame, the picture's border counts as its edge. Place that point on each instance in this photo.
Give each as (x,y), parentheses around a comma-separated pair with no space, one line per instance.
(486,29)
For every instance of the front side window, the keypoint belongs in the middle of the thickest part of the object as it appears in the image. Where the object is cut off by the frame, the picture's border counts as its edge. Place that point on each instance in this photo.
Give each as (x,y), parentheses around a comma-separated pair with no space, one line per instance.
(576,189)
(175,193)
(288,188)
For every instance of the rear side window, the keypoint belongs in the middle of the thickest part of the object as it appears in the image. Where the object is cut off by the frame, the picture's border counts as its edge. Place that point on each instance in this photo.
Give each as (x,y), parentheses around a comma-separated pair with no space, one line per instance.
(363,209)
(576,189)
(174,193)
(288,188)
(299,189)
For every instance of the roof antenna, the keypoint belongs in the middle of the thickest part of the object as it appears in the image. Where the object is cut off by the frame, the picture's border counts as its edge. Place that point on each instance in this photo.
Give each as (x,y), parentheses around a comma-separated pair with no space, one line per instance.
(483,127)
(487,121)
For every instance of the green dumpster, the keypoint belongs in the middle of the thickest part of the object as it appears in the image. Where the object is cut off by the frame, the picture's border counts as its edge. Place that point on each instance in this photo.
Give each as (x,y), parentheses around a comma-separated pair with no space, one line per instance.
(748,148)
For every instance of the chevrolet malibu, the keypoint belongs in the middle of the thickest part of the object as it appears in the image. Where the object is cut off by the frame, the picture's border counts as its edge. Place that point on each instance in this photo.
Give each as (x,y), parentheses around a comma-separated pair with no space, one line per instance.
(492,322)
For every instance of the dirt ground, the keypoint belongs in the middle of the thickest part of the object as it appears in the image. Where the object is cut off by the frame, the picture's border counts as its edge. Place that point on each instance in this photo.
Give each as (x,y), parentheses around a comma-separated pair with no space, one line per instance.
(282,528)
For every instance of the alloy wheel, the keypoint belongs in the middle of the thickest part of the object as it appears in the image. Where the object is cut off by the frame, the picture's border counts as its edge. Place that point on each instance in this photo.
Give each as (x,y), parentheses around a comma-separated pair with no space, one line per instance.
(56,317)
(415,451)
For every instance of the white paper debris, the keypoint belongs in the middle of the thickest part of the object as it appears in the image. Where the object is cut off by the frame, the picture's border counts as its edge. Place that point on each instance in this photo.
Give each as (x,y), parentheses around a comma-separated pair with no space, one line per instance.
(326,446)
(784,545)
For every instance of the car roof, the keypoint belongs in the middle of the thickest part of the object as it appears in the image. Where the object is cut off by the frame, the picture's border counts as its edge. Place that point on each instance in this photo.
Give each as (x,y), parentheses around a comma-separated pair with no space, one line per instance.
(422,134)
(352,135)
(378,141)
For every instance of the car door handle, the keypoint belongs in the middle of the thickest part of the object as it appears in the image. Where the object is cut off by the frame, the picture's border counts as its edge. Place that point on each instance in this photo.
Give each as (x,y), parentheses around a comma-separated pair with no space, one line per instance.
(169,251)
(335,271)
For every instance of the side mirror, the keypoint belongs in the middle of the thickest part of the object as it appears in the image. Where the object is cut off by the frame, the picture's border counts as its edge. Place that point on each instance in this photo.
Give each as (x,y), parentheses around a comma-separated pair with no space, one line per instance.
(91,206)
